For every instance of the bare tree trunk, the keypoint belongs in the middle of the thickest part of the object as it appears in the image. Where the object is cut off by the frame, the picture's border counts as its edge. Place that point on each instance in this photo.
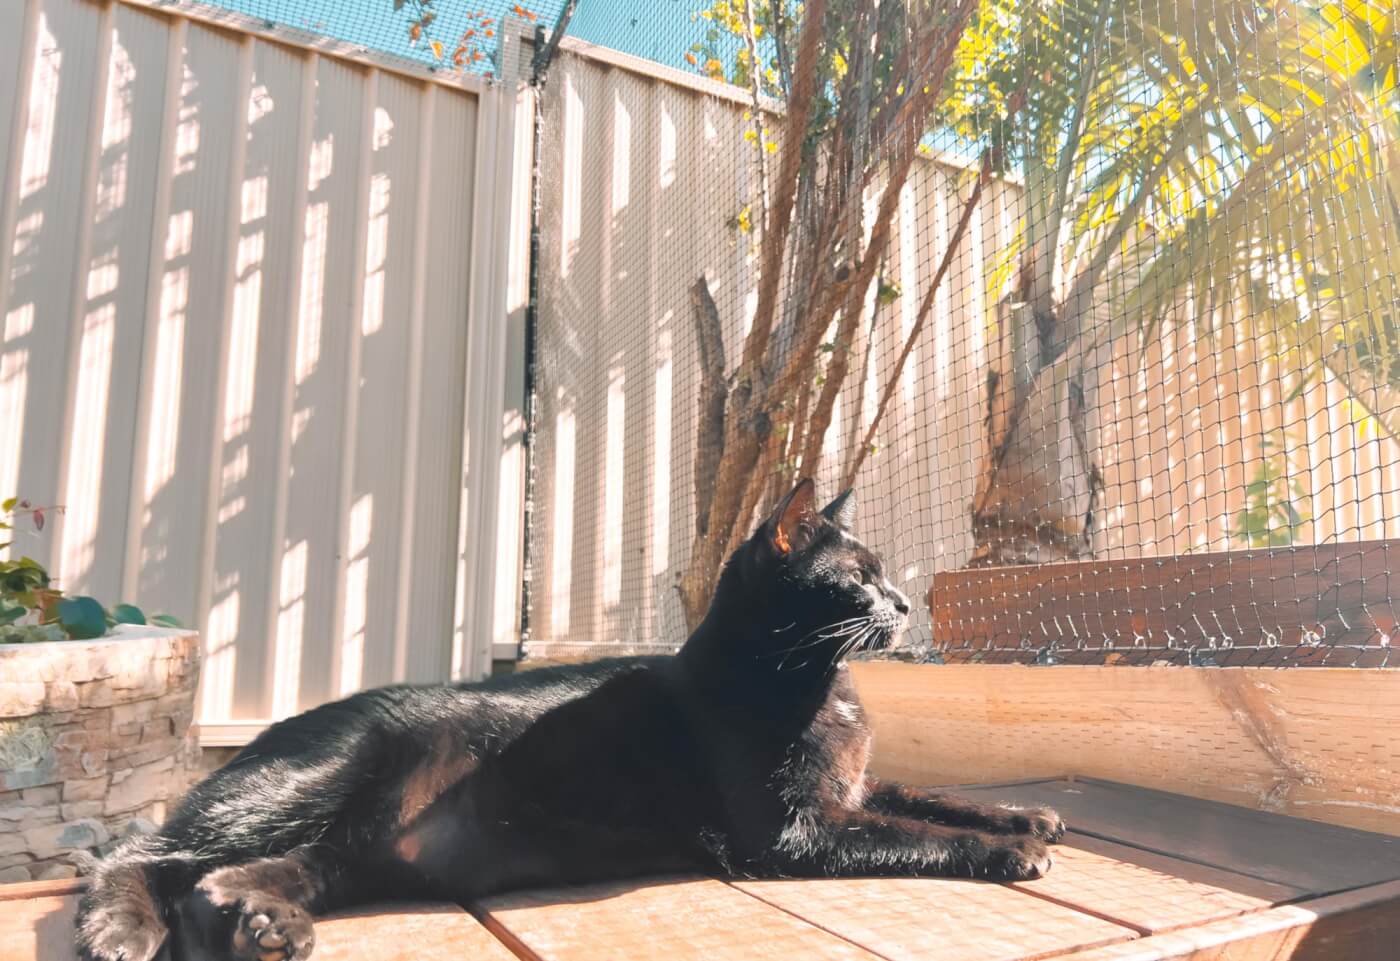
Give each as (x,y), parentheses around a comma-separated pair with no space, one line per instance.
(1039,485)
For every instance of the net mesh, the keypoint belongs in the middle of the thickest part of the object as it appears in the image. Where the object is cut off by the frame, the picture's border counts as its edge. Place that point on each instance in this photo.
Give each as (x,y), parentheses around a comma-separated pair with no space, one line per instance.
(462,34)
(1094,304)
(1113,366)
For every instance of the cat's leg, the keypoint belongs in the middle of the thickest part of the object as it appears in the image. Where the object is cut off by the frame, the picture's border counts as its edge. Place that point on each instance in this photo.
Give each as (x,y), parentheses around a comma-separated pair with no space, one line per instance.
(119,919)
(924,804)
(837,842)
(262,910)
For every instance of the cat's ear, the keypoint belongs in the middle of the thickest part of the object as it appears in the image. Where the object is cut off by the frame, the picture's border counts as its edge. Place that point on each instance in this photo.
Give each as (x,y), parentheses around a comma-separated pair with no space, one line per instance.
(842,511)
(794,521)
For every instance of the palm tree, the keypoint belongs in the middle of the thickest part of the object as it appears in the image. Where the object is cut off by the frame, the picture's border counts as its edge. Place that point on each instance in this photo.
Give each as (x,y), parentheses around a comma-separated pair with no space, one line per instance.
(1174,156)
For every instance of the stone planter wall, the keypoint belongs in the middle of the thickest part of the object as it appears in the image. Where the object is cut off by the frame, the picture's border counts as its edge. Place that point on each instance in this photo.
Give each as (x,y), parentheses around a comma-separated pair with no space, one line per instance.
(95,739)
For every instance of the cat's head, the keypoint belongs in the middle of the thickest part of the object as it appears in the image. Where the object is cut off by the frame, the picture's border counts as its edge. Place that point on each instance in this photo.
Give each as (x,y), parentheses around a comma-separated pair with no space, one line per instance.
(822,593)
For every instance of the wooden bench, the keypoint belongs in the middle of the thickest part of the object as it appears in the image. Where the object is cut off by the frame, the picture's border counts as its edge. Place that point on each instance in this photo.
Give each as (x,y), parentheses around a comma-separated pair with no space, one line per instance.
(1143,876)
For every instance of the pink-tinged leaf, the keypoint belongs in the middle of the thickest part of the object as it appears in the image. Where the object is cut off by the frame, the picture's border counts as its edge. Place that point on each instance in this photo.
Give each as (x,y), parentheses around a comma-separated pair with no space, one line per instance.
(38,518)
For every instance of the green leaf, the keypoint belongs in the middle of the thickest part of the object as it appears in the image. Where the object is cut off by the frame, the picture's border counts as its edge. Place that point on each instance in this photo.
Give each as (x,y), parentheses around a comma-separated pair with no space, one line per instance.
(8,614)
(82,618)
(9,505)
(166,620)
(128,614)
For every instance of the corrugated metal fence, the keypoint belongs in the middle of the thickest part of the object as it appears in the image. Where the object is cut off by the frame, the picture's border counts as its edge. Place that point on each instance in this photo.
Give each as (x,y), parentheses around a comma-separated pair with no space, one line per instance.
(245,286)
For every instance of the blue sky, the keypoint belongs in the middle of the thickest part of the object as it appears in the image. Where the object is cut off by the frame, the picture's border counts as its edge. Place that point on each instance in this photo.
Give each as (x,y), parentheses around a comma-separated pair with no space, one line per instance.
(660,30)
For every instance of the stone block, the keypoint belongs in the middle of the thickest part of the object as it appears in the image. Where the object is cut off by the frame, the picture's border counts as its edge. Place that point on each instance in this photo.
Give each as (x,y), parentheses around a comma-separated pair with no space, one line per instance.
(55,872)
(14,813)
(96,694)
(15,875)
(78,810)
(62,696)
(158,729)
(85,789)
(21,698)
(140,786)
(139,754)
(137,712)
(55,839)
(35,796)
(138,826)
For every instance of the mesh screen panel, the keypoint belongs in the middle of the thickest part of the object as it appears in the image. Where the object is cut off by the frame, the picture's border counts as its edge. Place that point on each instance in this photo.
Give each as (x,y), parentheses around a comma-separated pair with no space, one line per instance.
(1114,365)
(431,32)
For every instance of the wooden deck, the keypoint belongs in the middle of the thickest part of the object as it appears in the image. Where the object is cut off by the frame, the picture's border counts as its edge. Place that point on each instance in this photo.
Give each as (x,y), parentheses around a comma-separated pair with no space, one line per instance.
(1142,876)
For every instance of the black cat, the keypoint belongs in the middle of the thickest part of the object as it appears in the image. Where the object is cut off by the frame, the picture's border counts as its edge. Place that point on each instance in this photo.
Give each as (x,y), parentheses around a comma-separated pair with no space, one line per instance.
(744,754)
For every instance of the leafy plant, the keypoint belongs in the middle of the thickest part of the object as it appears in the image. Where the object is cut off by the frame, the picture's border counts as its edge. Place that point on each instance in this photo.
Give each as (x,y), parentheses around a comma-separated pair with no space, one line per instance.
(475,44)
(33,609)
(1277,506)
(1226,163)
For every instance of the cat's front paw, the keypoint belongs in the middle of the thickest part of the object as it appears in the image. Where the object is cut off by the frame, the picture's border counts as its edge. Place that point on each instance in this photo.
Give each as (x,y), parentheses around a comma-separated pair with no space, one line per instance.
(1022,858)
(1043,823)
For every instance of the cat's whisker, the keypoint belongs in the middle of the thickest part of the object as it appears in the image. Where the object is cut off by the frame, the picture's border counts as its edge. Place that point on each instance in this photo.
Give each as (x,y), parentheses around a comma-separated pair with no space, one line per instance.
(828,632)
(859,630)
(846,628)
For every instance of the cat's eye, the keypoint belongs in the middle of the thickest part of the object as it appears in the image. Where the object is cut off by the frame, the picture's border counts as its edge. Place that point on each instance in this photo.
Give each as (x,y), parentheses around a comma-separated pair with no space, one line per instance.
(861,577)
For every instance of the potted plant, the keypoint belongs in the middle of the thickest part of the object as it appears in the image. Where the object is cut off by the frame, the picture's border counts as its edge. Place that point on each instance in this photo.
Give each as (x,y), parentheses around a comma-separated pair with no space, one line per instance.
(96,712)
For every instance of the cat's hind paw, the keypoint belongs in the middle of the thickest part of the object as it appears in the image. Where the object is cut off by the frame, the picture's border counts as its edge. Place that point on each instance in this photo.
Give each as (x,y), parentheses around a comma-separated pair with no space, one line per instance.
(271,930)
(115,936)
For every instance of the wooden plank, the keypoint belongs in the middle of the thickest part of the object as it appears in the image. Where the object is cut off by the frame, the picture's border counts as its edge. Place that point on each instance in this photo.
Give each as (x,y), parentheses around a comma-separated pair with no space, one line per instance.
(1316,858)
(37,925)
(23,890)
(1313,743)
(1361,925)
(1341,592)
(406,932)
(911,919)
(1146,891)
(38,929)
(679,919)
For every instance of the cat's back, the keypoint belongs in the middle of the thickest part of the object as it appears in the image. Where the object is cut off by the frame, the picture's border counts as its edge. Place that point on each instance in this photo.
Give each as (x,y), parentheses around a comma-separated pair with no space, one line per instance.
(504,704)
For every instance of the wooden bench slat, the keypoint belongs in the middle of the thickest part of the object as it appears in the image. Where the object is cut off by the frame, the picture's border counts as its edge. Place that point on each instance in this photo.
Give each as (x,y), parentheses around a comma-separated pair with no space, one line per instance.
(679,919)
(20,890)
(904,919)
(1147,891)
(1359,925)
(406,932)
(38,929)
(1313,857)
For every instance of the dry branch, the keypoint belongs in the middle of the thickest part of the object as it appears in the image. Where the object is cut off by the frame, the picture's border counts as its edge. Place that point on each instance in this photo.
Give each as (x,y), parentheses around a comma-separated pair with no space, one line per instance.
(709,440)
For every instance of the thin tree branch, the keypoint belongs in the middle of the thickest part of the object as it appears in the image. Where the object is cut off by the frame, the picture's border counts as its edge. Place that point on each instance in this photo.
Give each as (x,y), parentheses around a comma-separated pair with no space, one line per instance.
(756,87)
(775,17)
(799,110)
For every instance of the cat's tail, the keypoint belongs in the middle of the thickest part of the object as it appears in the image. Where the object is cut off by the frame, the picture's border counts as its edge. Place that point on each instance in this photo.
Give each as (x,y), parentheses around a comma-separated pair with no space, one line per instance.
(120,917)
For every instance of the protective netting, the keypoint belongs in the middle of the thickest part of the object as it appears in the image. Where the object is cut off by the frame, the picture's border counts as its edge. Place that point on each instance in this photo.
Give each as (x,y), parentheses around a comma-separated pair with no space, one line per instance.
(1114,365)
(464,34)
